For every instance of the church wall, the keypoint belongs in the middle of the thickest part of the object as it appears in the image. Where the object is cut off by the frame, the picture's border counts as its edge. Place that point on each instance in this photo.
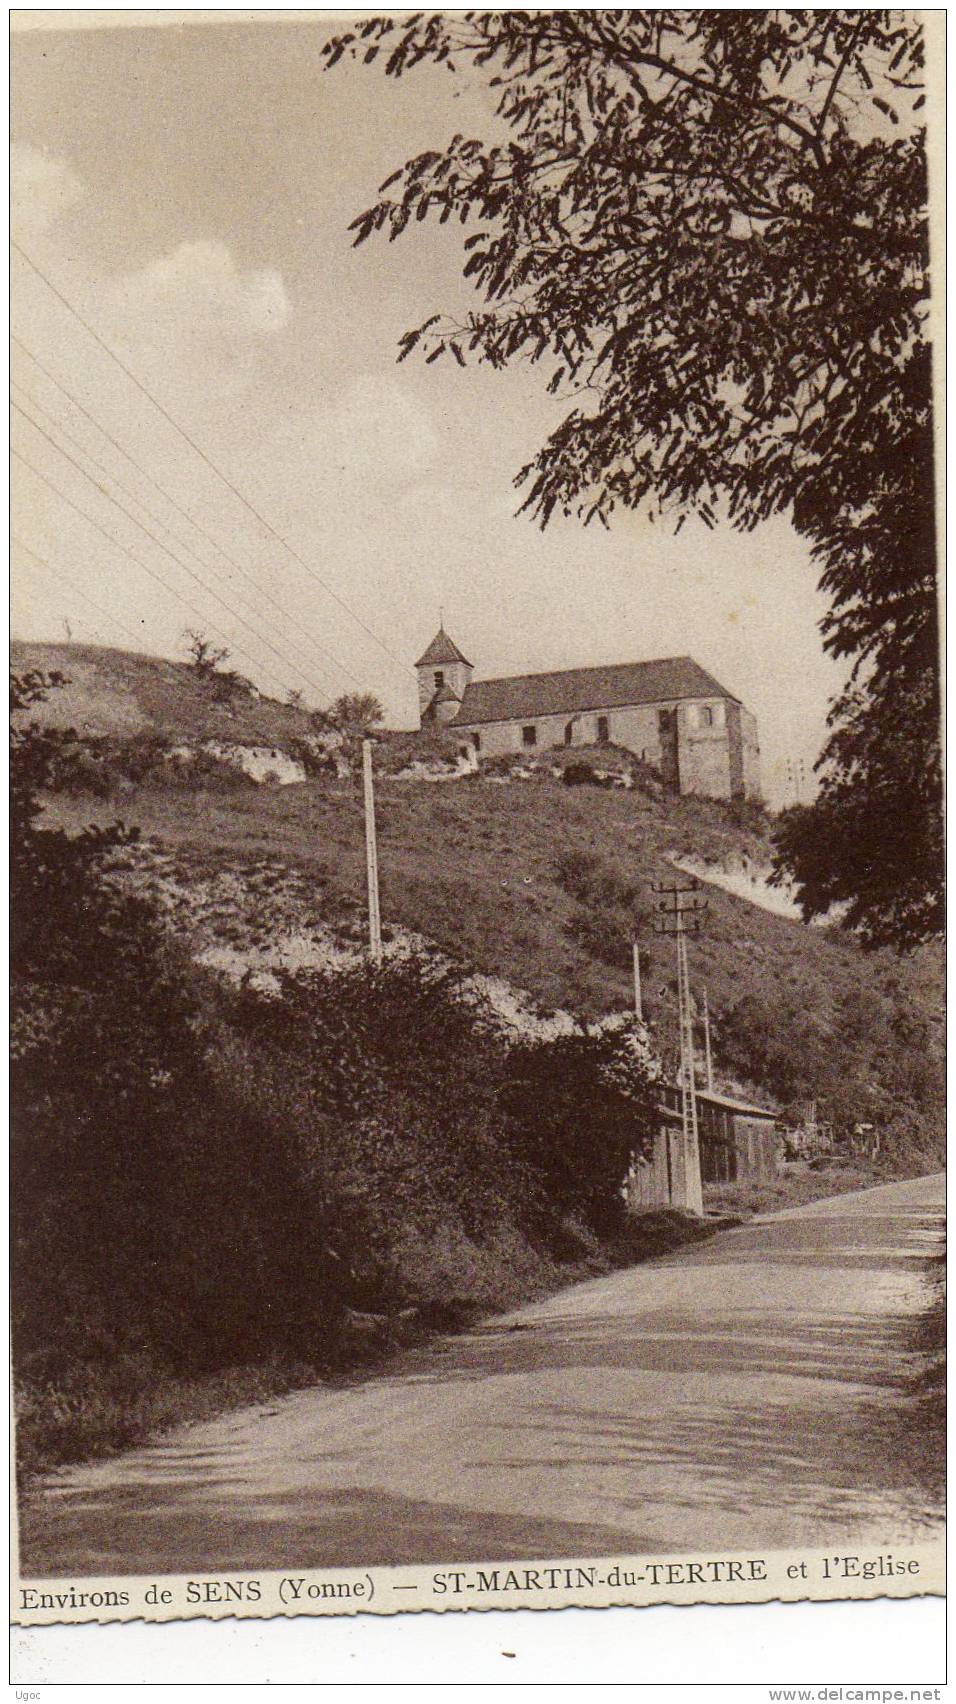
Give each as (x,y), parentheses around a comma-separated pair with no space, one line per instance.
(717,758)
(751,754)
(744,753)
(704,748)
(635,727)
(503,739)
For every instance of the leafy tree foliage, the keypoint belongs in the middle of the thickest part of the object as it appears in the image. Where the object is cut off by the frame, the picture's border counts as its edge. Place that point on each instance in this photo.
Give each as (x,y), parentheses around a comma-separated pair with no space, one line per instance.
(356,713)
(62,916)
(710,227)
(207,1176)
(207,660)
(124,1138)
(580,1157)
(875,850)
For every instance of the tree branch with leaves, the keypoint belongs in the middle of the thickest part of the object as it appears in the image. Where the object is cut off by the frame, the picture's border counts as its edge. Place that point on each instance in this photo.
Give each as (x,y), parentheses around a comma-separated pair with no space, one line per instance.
(712,227)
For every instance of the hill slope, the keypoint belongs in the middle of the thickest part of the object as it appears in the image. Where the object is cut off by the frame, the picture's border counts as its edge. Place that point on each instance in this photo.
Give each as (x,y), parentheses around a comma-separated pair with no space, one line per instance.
(531,881)
(123,693)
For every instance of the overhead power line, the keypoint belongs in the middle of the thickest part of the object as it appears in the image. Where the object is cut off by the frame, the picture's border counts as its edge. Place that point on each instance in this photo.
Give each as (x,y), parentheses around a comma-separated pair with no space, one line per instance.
(125,550)
(108,474)
(167,496)
(140,386)
(60,575)
(209,590)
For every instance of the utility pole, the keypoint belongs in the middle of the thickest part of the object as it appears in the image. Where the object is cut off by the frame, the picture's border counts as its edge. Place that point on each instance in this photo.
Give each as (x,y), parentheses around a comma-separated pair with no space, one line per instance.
(710,1064)
(638,1007)
(371,856)
(682,912)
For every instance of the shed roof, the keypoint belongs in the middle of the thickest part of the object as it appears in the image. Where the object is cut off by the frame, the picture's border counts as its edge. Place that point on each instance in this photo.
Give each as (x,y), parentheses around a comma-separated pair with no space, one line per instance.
(744,1109)
(568,690)
(441,650)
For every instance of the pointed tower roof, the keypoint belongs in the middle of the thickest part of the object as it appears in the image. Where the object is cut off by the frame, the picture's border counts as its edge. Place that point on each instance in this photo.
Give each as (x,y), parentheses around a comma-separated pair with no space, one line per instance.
(441,650)
(446,695)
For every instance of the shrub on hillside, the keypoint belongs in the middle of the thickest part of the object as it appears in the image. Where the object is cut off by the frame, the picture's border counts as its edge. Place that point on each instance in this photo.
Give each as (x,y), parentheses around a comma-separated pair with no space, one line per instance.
(417,1101)
(204,771)
(207,1176)
(588,879)
(207,659)
(576,1111)
(606,935)
(316,757)
(609,912)
(769,1043)
(582,775)
(104,765)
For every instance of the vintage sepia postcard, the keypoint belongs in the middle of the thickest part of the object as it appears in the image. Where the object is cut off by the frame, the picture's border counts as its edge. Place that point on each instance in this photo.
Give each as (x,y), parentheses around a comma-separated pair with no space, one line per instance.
(477,969)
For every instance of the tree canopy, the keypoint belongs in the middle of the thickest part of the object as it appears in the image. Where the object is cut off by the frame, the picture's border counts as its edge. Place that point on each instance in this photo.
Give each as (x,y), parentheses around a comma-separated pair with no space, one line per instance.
(356,713)
(710,229)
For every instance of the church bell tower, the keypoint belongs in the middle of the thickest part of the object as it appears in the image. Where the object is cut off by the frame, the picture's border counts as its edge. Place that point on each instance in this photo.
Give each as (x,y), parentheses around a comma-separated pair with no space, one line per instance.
(443,673)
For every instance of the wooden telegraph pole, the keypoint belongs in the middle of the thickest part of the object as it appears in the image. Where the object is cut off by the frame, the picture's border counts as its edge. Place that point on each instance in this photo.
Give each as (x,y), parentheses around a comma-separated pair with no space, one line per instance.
(638,1004)
(682,912)
(371,856)
(710,1063)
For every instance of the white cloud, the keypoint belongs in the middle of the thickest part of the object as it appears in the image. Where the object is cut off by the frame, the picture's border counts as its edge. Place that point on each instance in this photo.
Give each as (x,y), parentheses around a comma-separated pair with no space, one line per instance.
(375,423)
(42,189)
(198,286)
(192,320)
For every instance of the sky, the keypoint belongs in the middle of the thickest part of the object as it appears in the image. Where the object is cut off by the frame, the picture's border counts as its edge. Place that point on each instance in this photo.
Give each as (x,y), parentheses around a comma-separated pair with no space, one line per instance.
(188,190)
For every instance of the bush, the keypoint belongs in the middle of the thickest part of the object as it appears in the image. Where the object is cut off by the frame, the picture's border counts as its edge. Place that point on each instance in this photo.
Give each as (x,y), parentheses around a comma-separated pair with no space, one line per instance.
(587,878)
(609,913)
(770,1043)
(208,1177)
(605,935)
(576,1110)
(206,771)
(140,756)
(581,775)
(317,761)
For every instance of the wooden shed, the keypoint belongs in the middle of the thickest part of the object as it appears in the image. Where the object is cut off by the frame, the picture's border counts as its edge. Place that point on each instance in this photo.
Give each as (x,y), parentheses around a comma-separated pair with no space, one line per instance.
(738,1142)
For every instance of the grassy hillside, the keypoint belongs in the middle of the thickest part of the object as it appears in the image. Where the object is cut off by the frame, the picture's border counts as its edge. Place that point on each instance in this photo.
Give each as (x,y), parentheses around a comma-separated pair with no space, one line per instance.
(369,1155)
(537,883)
(122,694)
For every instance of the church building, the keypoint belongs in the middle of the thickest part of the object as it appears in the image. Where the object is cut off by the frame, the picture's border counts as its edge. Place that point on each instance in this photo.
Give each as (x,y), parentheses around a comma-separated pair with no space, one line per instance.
(668,711)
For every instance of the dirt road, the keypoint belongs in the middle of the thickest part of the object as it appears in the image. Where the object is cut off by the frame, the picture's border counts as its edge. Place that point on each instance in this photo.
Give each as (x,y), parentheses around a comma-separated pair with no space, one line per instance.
(751,1391)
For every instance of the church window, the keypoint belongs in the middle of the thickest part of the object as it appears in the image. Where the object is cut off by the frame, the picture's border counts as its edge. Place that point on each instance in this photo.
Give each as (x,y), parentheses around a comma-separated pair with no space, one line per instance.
(529,734)
(476,741)
(705,716)
(439,677)
(603,730)
(568,732)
